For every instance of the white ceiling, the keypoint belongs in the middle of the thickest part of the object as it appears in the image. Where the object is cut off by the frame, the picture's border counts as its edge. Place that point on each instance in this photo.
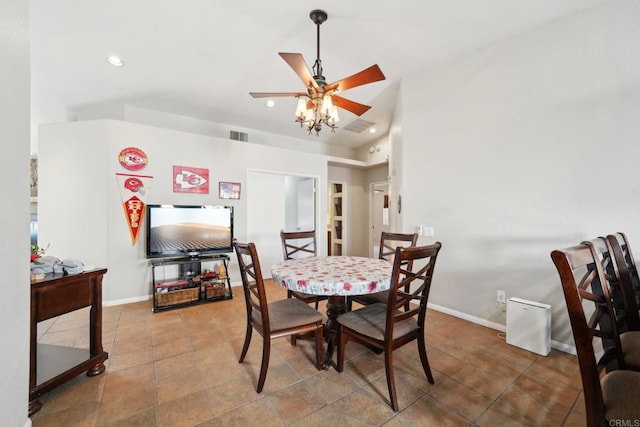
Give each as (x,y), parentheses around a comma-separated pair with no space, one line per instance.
(201,58)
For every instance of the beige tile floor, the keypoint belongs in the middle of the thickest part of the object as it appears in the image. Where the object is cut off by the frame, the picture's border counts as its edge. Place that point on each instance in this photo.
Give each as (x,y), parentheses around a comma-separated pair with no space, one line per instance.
(180,368)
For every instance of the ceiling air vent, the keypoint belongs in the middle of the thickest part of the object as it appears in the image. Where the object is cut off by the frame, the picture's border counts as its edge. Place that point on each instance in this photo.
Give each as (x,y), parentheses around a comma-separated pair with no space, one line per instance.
(358,126)
(239,136)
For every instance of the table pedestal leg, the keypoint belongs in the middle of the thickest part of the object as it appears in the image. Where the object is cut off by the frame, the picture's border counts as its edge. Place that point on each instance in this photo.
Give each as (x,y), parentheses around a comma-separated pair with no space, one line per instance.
(335,307)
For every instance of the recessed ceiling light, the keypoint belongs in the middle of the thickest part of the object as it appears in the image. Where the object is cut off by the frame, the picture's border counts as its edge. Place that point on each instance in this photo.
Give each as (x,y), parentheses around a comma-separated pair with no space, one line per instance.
(116,61)
(270,103)
(372,130)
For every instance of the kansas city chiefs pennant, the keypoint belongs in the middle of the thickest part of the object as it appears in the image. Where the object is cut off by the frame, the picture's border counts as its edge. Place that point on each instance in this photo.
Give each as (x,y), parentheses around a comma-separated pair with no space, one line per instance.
(133,191)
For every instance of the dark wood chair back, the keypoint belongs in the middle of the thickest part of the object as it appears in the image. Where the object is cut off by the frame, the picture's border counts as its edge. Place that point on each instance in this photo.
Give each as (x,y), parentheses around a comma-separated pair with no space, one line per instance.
(410,283)
(252,283)
(298,244)
(390,241)
(625,273)
(583,279)
(388,244)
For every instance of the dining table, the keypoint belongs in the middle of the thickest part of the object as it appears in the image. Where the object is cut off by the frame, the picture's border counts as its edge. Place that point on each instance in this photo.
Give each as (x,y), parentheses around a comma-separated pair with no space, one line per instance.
(337,277)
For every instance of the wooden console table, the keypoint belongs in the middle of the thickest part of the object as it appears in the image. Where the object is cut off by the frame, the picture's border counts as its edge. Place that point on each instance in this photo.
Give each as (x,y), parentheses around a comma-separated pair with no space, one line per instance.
(52,365)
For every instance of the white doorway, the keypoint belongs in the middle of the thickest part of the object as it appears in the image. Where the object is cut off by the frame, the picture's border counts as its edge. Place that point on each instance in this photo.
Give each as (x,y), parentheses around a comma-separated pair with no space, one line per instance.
(277,202)
(378,214)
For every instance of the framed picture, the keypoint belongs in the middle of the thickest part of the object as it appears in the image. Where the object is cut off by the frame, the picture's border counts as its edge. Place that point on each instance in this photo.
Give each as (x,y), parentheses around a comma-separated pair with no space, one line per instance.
(229,190)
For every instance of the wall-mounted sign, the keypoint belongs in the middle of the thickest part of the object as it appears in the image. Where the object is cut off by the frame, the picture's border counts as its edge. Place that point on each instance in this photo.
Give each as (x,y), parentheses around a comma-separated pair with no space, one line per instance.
(190,180)
(133,159)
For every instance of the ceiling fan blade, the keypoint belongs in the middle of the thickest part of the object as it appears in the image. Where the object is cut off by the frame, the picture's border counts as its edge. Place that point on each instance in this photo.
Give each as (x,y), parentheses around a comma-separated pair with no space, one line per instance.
(296,62)
(354,107)
(366,76)
(276,94)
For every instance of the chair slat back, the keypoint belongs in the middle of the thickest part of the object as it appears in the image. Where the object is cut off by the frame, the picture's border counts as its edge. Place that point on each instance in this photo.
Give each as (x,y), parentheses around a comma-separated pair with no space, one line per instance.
(629,259)
(626,305)
(410,283)
(252,282)
(298,244)
(605,287)
(582,277)
(390,241)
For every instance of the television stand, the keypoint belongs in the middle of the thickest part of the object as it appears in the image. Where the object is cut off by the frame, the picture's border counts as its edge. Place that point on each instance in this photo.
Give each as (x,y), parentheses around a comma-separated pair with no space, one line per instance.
(189,280)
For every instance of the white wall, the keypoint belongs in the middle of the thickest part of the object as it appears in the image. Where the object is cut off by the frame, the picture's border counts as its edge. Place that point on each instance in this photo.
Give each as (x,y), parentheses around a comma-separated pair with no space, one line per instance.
(14,215)
(521,148)
(80,210)
(266,207)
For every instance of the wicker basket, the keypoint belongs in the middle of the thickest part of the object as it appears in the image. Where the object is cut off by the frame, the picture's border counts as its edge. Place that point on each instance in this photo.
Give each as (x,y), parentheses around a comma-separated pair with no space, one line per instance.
(177,297)
(215,290)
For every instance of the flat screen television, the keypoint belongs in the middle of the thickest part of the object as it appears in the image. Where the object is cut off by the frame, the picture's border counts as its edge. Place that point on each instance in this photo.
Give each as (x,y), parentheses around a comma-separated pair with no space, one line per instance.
(188,230)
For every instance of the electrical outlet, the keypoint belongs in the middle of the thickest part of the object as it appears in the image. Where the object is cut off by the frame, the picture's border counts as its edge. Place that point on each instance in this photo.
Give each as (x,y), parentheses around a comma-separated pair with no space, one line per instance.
(424,230)
(501,297)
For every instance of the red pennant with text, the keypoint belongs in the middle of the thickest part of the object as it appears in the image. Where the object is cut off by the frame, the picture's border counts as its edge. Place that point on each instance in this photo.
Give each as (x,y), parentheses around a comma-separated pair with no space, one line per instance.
(133,190)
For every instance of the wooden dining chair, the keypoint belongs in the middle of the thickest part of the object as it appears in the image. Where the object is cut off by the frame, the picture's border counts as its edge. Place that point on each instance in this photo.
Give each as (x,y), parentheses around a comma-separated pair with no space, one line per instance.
(613,321)
(629,259)
(300,244)
(385,326)
(388,244)
(626,306)
(272,320)
(608,397)
(630,262)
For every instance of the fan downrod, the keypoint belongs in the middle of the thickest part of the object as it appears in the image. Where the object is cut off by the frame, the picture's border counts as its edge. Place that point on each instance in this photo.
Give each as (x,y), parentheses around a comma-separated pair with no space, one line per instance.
(318,16)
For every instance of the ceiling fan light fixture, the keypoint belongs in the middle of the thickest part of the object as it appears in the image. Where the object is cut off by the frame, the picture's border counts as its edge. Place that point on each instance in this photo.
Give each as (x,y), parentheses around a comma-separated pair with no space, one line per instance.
(309,116)
(301,109)
(333,115)
(327,105)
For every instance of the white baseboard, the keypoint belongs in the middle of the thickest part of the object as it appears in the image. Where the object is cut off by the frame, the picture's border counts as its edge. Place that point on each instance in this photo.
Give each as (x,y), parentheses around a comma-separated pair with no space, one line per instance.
(126,301)
(563,347)
(566,348)
(468,317)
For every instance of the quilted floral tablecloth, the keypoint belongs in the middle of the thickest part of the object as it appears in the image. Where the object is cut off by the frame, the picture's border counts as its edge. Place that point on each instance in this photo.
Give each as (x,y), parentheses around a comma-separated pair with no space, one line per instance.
(333,275)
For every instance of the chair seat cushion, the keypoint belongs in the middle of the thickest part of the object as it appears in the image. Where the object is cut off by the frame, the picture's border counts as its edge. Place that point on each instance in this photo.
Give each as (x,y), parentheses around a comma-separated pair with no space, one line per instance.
(371,321)
(620,391)
(630,342)
(307,297)
(378,297)
(289,313)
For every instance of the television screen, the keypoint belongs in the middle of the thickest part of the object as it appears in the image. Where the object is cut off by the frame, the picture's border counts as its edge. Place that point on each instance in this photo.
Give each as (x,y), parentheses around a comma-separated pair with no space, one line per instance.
(180,230)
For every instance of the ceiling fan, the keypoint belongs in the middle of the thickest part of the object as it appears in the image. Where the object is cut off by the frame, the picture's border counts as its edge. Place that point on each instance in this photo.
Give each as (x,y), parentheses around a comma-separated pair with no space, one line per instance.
(319,104)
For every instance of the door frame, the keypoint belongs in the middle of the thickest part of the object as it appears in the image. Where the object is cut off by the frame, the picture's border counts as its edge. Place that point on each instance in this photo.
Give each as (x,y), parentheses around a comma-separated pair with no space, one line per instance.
(373,242)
